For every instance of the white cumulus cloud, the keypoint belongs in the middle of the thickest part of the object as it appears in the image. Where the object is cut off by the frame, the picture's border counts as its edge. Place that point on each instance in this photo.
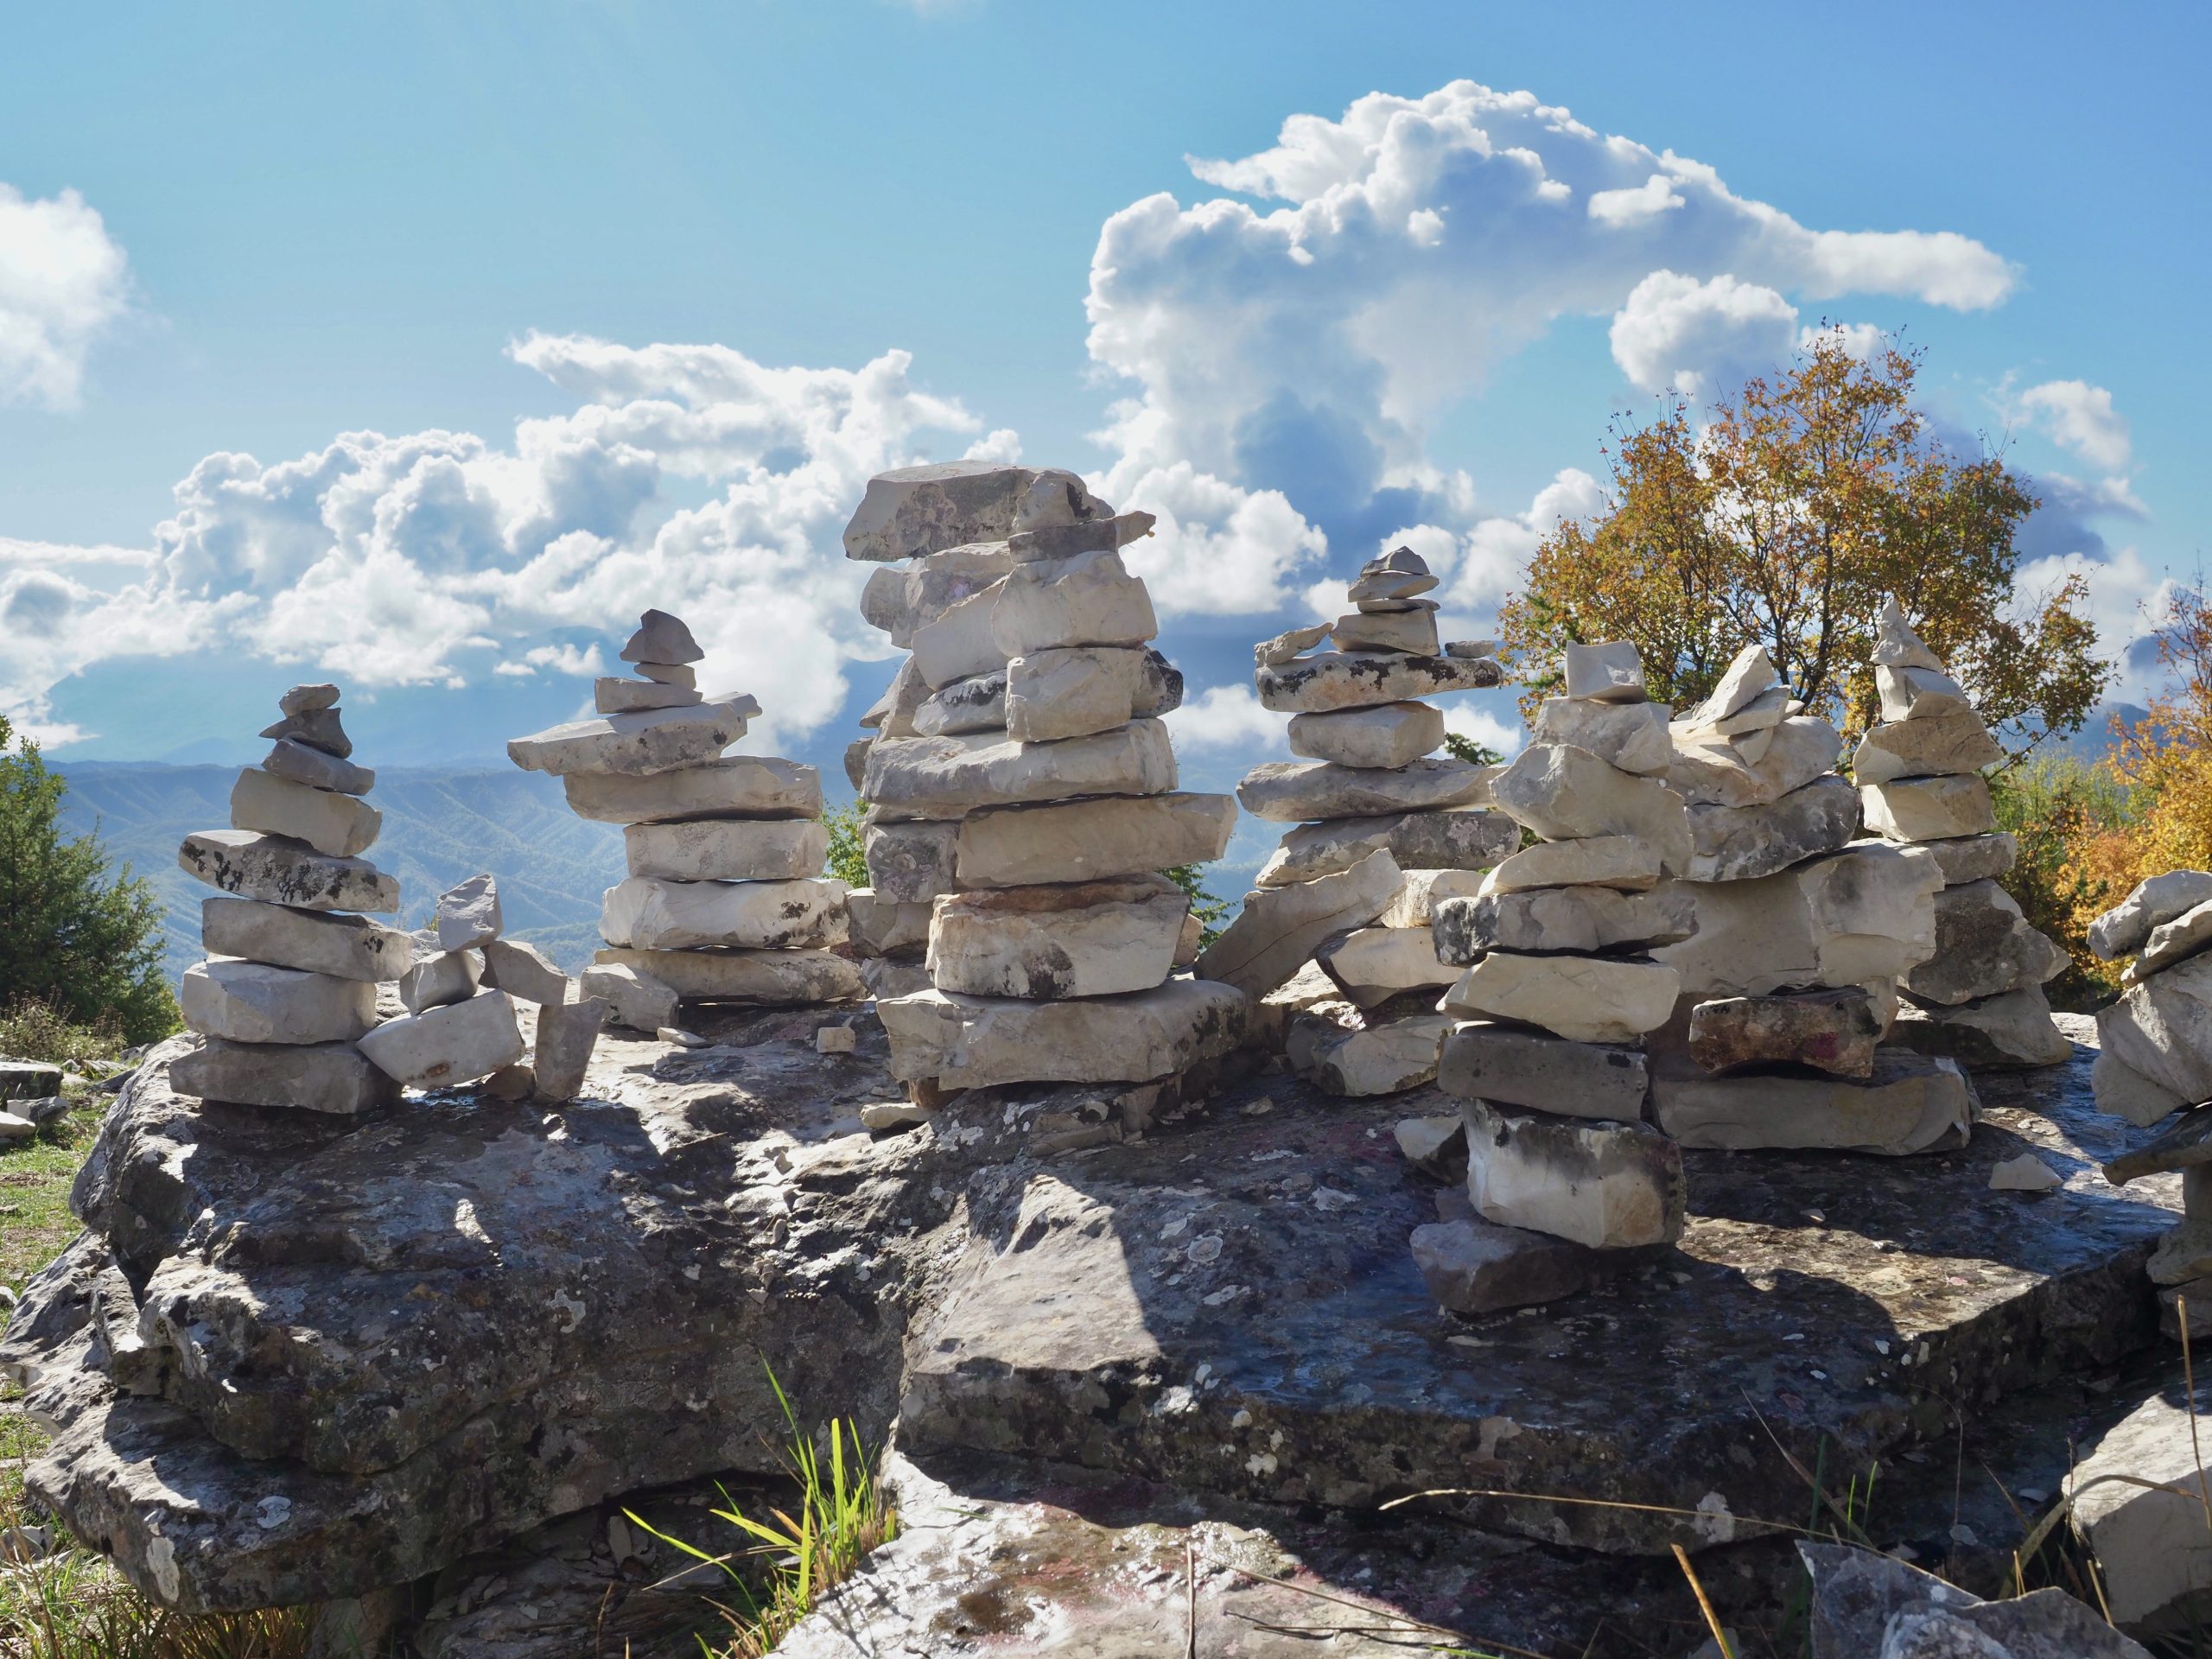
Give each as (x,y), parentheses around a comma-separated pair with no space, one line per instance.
(1228,717)
(1678,333)
(2081,417)
(64,282)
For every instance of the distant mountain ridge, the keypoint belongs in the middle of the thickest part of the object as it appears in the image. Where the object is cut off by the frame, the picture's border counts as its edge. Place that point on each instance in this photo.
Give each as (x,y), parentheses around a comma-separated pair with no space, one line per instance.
(441,825)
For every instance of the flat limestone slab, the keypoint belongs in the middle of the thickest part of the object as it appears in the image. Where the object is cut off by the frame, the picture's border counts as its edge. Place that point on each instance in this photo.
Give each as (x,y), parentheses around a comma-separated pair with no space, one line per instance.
(1088,600)
(768,979)
(950,776)
(1279,928)
(1630,735)
(443,1047)
(329,1078)
(1910,1103)
(728,849)
(1371,965)
(1515,1067)
(734,786)
(1099,939)
(902,600)
(1741,843)
(1564,793)
(1926,748)
(1457,838)
(252,1002)
(1583,999)
(1296,791)
(968,1042)
(1388,735)
(658,739)
(1611,1186)
(1339,680)
(648,914)
(918,510)
(1385,1059)
(1928,809)
(2150,1539)
(346,947)
(280,872)
(1073,691)
(1083,841)
(341,825)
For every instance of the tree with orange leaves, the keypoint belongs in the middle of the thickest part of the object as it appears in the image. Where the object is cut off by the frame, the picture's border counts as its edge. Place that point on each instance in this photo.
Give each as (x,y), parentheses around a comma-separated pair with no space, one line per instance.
(1784,520)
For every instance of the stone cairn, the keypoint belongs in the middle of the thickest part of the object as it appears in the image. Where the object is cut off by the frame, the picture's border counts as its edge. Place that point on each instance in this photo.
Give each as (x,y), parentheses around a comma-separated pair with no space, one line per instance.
(1021,793)
(1565,1179)
(1385,829)
(1979,997)
(726,899)
(2155,1058)
(288,989)
(460,995)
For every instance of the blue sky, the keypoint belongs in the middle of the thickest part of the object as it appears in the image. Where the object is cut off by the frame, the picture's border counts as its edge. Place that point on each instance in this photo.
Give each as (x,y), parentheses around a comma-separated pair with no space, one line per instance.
(249,230)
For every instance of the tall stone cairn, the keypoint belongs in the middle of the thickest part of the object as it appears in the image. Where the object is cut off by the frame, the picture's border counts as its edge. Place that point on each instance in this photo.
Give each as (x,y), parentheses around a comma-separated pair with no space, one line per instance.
(726,901)
(288,987)
(1384,828)
(1022,786)
(1565,1178)
(2154,1057)
(1980,993)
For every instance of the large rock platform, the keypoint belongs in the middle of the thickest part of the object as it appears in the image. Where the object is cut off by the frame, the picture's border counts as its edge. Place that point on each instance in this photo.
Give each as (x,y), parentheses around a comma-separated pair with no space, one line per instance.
(297,1358)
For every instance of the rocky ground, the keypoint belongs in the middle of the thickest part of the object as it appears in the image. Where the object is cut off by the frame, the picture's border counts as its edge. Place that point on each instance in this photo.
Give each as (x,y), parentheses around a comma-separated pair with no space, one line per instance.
(1143,1373)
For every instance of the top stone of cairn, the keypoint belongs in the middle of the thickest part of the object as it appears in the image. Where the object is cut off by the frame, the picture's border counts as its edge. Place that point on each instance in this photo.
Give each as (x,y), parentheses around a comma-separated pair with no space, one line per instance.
(662,638)
(1895,645)
(918,510)
(1612,672)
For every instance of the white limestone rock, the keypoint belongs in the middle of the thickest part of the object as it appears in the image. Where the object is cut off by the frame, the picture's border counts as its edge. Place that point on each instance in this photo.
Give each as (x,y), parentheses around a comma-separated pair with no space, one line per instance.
(1932,746)
(660,739)
(2023,1173)
(1626,862)
(1866,913)
(341,825)
(1289,646)
(918,510)
(909,863)
(2162,1029)
(1460,838)
(1474,1267)
(1750,673)
(344,947)
(959,644)
(1371,965)
(2152,1547)
(332,1078)
(1918,693)
(1334,680)
(1388,734)
(1399,573)
(280,872)
(900,600)
(1564,793)
(1895,645)
(1279,928)
(1632,736)
(301,763)
(436,980)
(1090,839)
(1073,691)
(768,979)
(1583,999)
(661,638)
(1717,773)
(1581,919)
(681,674)
(1089,600)
(632,997)
(1741,843)
(1382,1060)
(1612,672)
(1910,1104)
(2127,926)
(950,776)
(252,1002)
(2122,1090)
(1928,809)
(1293,791)
(728,849)
(1607,1186)
(883,926)
(611,694)
(649,914)
(1421,891)
(469,914)
(1411,631)
(976,704)
(968,1042)
(567,1033)
(524,972)
(2010,1030)
(1098,938)
(446,1047)
(736,785)
(1512,1066)
(1969,858)
(1984,945)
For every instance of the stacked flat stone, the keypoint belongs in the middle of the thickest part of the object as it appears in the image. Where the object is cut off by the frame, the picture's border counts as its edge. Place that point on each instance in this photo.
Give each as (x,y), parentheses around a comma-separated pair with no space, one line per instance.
(1565,1178)
(2154,1043)
(1804,933)
(288,989)
(1979,997)
(1384,828)
(726,901)
(1022,787)
(2181,1268)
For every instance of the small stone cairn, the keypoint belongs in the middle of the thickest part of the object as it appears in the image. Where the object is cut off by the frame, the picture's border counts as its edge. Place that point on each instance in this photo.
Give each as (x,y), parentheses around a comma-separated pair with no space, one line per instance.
(288,987)
(1384,829)
(1021,794)
(1979,997)
(461,993)
(2155,1058)
(1565,1179)
(726,899)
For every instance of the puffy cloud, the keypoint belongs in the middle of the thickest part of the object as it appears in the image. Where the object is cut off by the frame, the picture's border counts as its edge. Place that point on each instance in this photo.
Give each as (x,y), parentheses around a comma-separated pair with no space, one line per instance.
(63,284)
(1464,720)
(1217,549)
(1692,337)
(2081,417)
(415,560)
(1228,717)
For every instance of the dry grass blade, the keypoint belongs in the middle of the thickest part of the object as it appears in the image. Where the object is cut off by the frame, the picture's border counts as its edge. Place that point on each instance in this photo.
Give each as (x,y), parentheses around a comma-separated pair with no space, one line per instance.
(1704,1606)
(1411,1623)
(1704,1517)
